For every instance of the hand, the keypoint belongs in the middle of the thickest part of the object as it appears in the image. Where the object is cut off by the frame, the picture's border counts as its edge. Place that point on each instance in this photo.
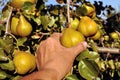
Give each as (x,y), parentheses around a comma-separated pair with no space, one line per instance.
(54,61)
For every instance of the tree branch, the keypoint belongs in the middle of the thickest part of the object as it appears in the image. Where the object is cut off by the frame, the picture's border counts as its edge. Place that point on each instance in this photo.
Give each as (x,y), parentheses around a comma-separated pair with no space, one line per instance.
(68,12)
(110,50)
(8,20)
(7,25)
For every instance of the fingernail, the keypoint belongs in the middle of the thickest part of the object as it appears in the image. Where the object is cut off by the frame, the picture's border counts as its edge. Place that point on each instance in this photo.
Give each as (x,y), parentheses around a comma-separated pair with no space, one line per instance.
(85,44)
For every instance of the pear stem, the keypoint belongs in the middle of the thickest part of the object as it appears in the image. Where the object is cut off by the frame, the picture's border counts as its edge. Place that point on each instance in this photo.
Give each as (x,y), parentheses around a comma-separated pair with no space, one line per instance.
(44,33)
(7,25)
(68,13)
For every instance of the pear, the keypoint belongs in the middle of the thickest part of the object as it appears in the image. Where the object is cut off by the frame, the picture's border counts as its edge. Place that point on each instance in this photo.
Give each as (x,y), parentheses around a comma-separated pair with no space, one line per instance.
(75,23)
(96,36)
(19,3)
(87,26)
(24,28)
(71,37)
(90,9)
(14,23)
(24,62)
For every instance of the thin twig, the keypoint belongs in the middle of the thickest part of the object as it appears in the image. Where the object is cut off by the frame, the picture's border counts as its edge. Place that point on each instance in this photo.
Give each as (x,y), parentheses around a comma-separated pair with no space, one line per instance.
(68,12)
(7,23)
(107,56)
(7,26)
(41,33)
(118,33)
(8,20)
(12,36)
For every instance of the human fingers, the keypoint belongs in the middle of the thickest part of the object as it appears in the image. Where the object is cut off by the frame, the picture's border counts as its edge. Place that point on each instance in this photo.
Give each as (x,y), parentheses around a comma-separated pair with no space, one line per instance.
(78,48)
(56,36)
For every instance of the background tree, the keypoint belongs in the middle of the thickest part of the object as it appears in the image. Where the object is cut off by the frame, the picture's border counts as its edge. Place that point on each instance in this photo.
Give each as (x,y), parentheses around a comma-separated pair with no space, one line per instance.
(100,59)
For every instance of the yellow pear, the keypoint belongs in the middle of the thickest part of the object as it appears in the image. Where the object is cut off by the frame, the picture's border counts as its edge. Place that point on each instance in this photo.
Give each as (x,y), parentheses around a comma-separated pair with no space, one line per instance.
(14,23)
(90,9)
(114,35)
(71,37)
(18,3)
(24,62)
(24,28)
(96,36)
(75,23)
(87,26)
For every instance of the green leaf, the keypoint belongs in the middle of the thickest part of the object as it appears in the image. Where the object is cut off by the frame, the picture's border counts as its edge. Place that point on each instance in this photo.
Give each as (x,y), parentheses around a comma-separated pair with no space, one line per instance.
(111,64)
(16,77)
(28,10)
(62,18)
(52,22)
(55,10)
(20,41)
(81,11)
(1,28)
(117,65)
(42,6)
(3,74)
(45,21)
(37,20)
(88,69)
(71,77)
(3,56)
(88,54)
(83,55)
(2,43)
(93,46)
(118,71)
(27,7)
(93,55)
(6,44)
(5,13)
(7,65)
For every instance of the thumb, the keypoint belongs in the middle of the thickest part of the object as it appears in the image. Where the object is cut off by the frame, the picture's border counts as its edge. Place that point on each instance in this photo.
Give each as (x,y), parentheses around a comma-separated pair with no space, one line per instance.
(79,48)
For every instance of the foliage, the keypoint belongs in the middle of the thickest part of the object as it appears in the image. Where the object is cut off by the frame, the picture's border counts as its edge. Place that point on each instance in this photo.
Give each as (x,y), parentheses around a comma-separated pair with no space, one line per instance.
(96,62)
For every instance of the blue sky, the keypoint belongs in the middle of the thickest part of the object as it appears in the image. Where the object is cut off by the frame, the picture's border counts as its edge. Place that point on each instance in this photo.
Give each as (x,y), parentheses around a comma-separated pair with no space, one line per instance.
(114,3)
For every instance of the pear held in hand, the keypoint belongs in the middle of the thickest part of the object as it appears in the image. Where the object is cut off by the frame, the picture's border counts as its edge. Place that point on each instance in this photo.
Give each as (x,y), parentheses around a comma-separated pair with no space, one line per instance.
(71,37)
(24,28)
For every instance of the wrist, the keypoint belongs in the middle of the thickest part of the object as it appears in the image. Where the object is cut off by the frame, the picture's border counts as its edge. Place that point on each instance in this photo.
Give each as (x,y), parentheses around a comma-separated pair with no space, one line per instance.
(48,74)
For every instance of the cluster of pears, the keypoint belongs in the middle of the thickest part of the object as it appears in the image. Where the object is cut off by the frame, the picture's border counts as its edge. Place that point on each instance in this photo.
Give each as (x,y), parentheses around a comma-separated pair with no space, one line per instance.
(79,30)
(20,26)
